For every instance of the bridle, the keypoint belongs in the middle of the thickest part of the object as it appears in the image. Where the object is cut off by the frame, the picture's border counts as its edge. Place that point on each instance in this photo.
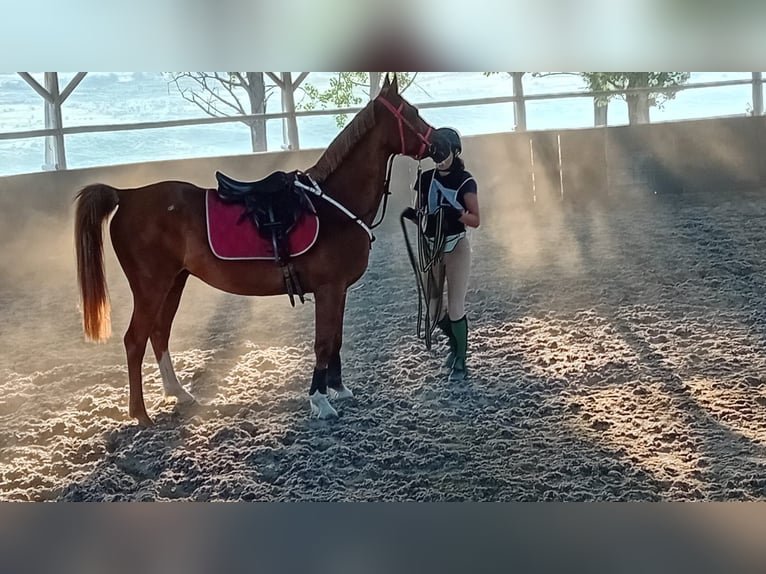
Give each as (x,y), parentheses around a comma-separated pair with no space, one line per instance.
(425,145)
(424,139)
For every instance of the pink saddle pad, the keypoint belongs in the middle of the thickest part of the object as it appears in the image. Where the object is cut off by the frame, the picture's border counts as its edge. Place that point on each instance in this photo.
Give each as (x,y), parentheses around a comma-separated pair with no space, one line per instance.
(231,238)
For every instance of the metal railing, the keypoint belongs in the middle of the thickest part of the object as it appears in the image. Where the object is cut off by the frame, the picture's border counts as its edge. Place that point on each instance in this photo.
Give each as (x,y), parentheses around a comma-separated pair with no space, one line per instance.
(756,82)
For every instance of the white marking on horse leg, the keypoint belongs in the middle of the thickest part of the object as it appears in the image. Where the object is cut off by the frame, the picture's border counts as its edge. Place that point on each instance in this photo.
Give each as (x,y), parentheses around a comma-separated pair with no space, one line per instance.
(170,382)
(321,407)
(342,393)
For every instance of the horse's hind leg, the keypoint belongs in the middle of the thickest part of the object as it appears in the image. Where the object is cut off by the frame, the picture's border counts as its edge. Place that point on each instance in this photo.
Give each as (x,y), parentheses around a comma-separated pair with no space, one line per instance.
(147,302)
(161,335)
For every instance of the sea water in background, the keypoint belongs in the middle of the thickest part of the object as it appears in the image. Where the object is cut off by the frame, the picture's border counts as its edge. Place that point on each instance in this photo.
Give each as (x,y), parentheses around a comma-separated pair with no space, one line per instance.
(131,97)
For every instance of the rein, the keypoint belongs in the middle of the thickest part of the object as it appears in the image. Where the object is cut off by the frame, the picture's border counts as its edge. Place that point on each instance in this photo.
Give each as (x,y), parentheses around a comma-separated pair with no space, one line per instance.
(429,287)
(319,192)
(386,193)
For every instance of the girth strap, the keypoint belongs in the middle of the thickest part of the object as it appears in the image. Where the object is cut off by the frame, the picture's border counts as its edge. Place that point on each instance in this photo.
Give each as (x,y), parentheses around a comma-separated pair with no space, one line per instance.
(274,205)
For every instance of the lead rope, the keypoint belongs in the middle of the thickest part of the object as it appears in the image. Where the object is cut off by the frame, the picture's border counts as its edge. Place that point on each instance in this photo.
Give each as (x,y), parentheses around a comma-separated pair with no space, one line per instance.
(428,286)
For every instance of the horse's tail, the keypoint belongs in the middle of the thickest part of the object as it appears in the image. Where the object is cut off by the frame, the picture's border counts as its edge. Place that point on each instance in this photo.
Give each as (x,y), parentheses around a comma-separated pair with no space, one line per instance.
(94,203)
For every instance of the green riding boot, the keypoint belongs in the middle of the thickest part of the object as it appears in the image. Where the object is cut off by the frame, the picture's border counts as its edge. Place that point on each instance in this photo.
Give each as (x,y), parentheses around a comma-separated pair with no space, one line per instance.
(460,332)
(446,327)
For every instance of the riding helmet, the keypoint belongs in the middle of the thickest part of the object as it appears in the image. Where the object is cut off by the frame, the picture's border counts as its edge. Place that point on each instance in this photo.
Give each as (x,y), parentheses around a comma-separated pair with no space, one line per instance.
(444,141)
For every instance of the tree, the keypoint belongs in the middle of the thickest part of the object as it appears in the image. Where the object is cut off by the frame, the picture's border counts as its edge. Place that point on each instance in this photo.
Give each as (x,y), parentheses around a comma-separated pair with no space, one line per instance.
(345,89)
(639,103)
(226,94)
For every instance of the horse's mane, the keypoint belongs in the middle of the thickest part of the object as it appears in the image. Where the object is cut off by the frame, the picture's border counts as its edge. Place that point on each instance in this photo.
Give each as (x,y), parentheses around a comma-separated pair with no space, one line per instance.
(343,144)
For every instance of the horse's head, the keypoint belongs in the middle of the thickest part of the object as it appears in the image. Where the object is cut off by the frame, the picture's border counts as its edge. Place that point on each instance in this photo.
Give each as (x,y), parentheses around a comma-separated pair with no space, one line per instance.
(406,131)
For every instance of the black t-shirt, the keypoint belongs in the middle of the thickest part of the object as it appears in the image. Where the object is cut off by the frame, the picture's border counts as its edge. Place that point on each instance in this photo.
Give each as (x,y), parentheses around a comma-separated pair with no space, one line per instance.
(448,192)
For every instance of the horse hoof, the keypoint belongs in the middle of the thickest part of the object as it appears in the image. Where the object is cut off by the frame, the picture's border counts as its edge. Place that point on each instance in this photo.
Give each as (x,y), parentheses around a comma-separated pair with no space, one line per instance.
(342,392)
(185,399)
(321,407)
(145,422)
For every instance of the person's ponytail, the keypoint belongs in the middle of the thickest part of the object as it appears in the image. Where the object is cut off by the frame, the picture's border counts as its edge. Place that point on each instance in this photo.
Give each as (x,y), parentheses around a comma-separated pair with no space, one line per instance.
(457,164)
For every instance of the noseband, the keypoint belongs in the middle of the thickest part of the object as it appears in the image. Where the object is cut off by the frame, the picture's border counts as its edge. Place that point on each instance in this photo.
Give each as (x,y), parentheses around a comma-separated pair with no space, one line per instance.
(424,139)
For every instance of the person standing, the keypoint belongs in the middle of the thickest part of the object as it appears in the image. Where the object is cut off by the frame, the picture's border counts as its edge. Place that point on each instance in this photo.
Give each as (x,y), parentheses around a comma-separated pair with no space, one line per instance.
(453,189)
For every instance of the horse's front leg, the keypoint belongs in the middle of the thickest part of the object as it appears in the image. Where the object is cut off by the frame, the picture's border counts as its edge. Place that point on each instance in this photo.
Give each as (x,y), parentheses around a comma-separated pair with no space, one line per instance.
(335,384)
(330,301)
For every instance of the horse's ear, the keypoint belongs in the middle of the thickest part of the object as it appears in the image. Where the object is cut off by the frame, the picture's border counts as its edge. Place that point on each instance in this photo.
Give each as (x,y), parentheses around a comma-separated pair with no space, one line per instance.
(386,82)
(395,84)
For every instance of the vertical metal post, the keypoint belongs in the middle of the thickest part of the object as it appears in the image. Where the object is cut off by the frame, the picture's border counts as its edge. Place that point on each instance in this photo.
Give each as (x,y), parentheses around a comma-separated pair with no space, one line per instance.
(256,91)
(532,171)
(374,84)
(561,167)
(288,106)
(608,191)
(55,155)
(600,111)
(757,93)
(519,106)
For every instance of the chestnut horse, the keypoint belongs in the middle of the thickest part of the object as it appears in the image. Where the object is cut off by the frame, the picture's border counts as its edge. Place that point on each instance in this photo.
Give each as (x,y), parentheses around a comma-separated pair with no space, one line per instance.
(159,235)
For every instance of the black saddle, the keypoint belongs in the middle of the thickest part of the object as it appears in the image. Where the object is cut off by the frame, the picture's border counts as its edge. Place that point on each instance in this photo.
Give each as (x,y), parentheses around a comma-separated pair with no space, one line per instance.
(274,205)
(274,183)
